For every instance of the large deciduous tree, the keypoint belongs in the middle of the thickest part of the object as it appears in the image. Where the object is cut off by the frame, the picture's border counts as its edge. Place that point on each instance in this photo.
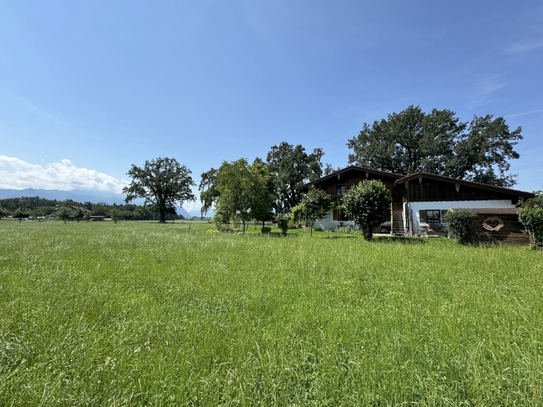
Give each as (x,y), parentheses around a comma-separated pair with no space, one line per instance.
(291,167)
(439,143)
(314,205)
(162,182)
(368,205)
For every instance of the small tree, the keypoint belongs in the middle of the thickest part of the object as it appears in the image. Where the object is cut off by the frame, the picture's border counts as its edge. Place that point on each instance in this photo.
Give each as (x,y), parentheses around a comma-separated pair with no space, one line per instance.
(315,205)
(460,224)
(282,223)
(239,190)
(531,216)
(22,211)
(368,204)
(79,214)
(64,213)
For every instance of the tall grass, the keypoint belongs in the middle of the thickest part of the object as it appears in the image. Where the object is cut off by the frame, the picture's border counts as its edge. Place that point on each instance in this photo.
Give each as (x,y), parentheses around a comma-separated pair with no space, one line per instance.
(147,314)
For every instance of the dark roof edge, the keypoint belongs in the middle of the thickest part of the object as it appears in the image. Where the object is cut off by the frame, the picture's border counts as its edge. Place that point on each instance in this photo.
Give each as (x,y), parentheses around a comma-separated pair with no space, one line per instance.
(496,188)
(349,168)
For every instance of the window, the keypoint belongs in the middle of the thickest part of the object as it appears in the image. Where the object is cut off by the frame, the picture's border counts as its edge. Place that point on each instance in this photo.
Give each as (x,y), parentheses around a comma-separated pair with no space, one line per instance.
(432,215)
(340,190)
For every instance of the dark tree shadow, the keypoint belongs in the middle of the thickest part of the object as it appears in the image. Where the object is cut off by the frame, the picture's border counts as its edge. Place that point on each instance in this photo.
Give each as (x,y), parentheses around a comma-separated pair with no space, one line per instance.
(399,239)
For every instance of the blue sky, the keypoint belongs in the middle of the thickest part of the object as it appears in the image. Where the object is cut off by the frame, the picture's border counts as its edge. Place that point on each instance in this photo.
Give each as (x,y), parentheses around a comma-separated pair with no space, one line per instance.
(89,88)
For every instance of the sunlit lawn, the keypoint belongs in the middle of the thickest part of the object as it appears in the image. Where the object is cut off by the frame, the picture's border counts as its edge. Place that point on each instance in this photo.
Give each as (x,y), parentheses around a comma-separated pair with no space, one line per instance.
(130,314)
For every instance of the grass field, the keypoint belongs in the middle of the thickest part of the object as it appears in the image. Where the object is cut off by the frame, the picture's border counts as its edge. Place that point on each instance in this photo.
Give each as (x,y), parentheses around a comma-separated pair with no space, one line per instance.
(142,314)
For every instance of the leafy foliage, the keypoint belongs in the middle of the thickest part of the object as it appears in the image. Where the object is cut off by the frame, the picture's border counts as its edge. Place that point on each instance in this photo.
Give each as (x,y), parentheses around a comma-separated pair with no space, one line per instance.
(368,204)
(531,216)
(243,191)
(64,213)
(315,205)
(162,182)
(4,211)
(282,221)
(460,224)
(208,190)
(291,166)
(439,143)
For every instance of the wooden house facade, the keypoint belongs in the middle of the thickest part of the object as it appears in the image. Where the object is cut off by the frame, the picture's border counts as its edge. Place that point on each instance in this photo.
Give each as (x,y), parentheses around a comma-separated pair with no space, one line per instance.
(419,202)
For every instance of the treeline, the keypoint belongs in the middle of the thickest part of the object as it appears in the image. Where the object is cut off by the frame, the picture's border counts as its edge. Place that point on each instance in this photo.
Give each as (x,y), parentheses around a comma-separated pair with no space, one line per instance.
(36,207)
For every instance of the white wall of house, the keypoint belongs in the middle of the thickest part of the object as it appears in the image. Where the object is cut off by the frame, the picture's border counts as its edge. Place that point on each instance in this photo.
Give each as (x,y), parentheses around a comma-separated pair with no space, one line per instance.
(328,222)
(416,207)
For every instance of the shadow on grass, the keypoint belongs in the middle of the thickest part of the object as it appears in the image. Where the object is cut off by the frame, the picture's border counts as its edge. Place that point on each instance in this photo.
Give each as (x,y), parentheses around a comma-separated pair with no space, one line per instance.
(383,239)
(343,237)
(399,239)
(275,234)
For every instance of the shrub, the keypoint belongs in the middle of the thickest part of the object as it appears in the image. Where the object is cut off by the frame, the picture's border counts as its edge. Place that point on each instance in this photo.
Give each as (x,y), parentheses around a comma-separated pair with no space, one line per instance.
(282,223)
(531,216)
(368,204)
(265,230)
(236,222)
(292,224)
(219,222)
(460,224)
(346,229)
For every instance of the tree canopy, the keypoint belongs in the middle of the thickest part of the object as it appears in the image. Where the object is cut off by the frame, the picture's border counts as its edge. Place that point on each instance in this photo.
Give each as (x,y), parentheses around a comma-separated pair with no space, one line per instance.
(439,143)
(162,182)
(291,167)
(531,217)
(241,190)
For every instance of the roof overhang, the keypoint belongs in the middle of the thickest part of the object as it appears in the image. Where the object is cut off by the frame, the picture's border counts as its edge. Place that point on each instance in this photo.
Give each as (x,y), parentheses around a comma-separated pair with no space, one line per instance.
(419,176)
(352,168)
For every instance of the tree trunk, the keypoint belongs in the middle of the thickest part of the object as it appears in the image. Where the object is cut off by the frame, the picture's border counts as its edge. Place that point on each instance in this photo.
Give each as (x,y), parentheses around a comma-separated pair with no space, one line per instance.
(162,218)
(368,234)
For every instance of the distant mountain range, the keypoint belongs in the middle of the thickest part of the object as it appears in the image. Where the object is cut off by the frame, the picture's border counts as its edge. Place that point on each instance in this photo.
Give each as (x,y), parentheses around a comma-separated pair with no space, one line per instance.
(82,196)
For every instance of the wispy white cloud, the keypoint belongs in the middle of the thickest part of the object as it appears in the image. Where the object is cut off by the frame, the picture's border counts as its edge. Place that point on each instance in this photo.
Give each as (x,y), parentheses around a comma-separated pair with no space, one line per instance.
(19,174)
(485,86)
(524,113)
(524,46)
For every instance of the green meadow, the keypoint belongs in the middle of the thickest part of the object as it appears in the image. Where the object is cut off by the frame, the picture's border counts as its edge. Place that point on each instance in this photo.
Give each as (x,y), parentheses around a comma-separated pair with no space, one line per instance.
(145,314)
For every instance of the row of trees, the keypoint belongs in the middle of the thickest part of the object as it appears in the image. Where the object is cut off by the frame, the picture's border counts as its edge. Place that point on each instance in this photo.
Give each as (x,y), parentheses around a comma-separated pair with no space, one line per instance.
(36,207)
(260,190)
(406,142)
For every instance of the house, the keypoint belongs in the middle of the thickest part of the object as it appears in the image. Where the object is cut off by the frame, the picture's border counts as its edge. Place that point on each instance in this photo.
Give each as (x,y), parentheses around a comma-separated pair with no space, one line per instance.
(419,201)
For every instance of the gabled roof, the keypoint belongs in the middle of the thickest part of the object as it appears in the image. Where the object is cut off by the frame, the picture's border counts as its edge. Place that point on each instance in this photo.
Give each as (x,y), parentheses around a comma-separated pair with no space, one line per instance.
(462,182)
(355,168)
